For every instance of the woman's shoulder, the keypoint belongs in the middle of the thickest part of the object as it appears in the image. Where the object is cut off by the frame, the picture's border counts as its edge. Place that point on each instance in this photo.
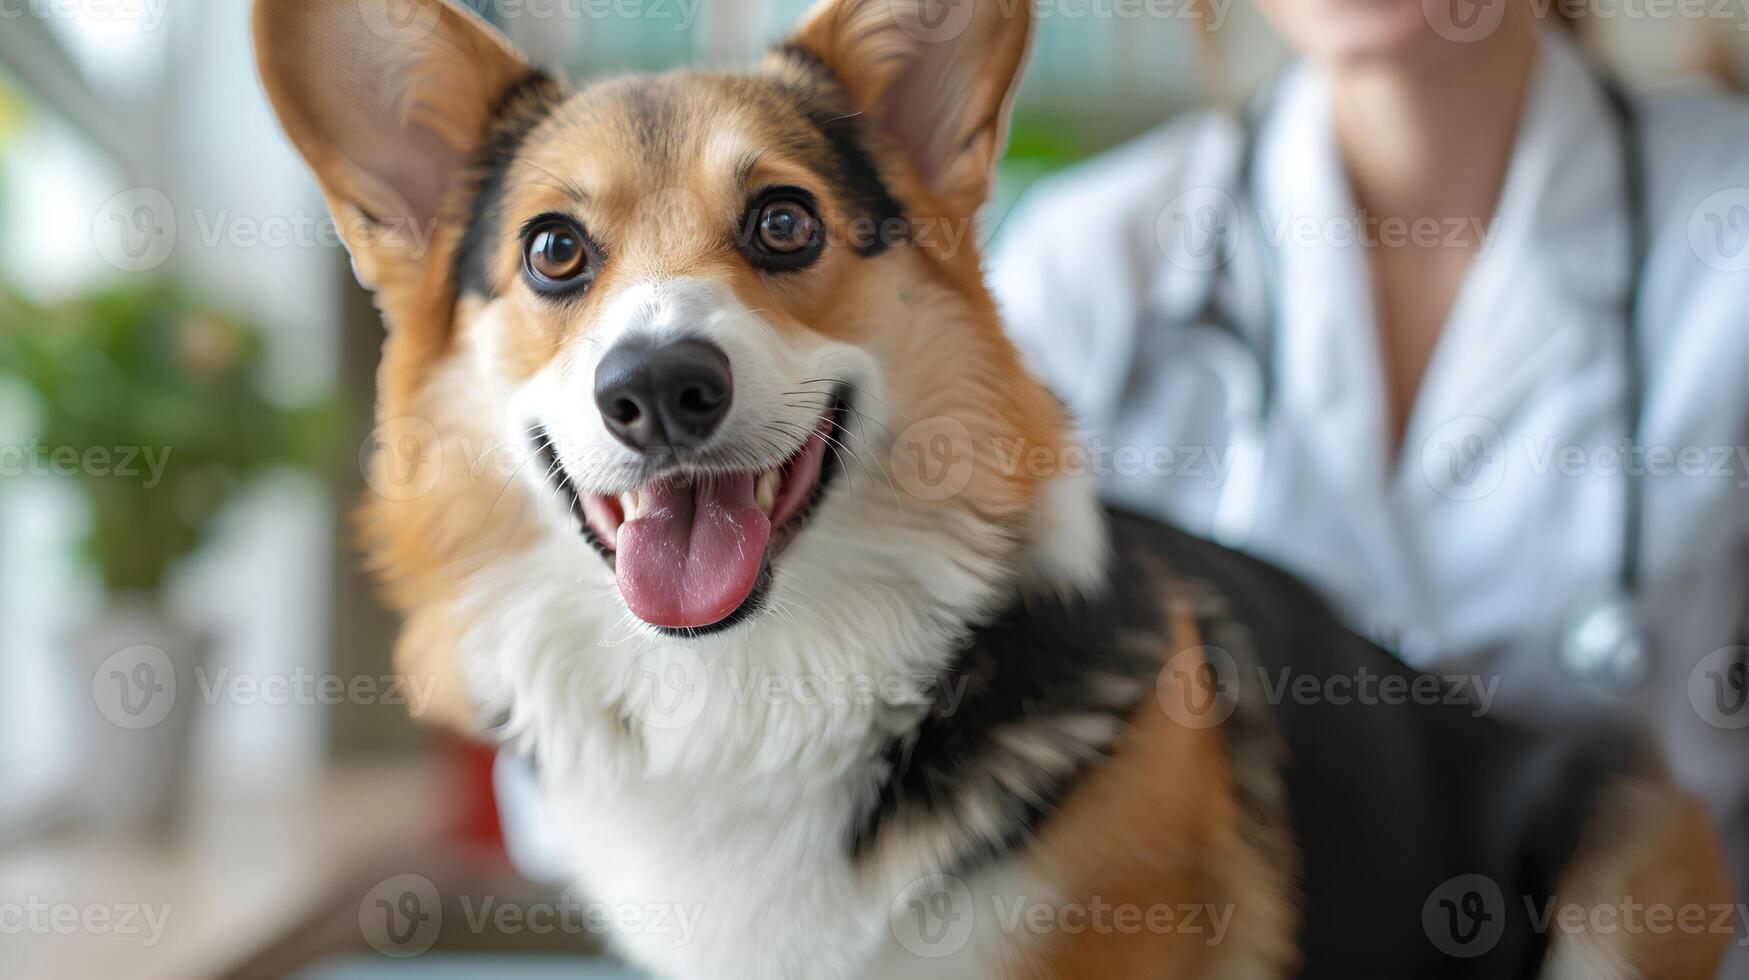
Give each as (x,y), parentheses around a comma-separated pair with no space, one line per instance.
(1697,142)
(1692,105)
(1118,194)
(1074,259)
(1697,138)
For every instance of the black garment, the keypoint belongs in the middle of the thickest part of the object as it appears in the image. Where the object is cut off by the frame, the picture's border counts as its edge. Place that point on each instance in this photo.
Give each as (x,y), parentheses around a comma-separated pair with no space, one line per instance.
(1430,835)
(1430,838)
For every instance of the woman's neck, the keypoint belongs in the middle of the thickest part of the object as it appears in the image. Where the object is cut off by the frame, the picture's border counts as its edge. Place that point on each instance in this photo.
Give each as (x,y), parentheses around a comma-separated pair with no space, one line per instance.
(1434,139)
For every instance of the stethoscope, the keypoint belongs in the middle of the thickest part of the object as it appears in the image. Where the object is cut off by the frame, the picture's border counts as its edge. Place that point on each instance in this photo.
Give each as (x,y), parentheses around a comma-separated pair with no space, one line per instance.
(1606,642)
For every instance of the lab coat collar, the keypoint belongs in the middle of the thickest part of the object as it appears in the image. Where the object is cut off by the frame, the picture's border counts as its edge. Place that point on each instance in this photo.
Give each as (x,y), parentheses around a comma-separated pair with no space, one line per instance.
(1549,285)
(1545,285)
(1550,250)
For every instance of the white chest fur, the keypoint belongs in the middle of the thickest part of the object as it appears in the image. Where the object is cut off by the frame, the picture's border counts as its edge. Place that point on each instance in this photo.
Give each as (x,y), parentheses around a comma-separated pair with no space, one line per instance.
(756,870)
(753,880)
(703,791)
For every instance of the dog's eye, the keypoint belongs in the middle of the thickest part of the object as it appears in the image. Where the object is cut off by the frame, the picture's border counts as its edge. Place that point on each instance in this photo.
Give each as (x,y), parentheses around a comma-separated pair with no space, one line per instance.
(783,231)
(786,226)
(555,253)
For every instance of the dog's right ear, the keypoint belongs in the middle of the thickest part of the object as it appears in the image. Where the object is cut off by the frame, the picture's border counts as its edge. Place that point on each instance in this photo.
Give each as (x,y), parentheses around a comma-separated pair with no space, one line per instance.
(388,101)
(938,76)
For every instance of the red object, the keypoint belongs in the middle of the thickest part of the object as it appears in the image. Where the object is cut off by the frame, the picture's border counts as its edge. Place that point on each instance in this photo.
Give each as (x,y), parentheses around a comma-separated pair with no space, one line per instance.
(467,767)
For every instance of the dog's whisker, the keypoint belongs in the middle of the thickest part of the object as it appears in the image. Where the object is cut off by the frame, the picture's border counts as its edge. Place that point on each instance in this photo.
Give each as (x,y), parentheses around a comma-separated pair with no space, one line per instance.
(853,386)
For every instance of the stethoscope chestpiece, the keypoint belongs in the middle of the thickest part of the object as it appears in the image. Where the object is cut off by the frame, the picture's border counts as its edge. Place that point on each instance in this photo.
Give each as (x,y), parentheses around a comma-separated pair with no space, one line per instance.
(1609,645)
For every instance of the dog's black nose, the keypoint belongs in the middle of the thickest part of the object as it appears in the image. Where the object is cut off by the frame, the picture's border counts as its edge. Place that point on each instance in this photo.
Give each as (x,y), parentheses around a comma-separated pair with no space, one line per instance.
(667,397)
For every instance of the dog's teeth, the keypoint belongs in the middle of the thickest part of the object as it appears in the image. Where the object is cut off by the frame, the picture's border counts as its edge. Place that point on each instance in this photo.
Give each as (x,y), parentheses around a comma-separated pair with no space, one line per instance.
(632,504)
(765,491)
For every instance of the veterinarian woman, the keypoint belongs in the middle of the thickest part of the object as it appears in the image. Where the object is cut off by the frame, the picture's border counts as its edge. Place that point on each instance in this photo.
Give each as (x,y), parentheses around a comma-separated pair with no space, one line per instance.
(1457,330)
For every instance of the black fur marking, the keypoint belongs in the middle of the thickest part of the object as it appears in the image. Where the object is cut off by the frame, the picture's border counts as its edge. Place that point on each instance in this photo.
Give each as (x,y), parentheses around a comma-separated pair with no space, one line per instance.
(1386,797)
(765,260)
(522,107)
(860,181)
(805,59)
(848,166)
(1392,797)
(1046,657)
(652,112)
(546,455)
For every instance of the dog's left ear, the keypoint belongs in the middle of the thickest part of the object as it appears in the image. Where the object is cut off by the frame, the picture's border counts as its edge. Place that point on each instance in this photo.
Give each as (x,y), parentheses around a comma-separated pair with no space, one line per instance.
(387,100)
(938,76)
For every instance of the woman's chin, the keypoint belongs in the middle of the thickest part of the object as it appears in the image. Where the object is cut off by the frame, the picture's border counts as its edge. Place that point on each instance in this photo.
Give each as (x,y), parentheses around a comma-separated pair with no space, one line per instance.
(1353,33)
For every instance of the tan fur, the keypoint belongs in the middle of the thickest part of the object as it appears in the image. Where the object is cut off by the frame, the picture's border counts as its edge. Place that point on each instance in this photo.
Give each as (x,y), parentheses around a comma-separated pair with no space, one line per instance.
(1160,826)
(664,204)
(659,171)
(355,108)
(426,650)
(894,55)
(376,112)
(1652,847)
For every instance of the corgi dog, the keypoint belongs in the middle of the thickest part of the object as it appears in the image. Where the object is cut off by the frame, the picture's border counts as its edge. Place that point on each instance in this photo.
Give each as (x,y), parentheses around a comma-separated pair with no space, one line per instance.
(711,483)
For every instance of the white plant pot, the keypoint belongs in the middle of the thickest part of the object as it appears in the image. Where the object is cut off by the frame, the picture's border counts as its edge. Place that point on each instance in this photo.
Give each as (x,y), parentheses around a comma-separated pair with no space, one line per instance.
(139,665)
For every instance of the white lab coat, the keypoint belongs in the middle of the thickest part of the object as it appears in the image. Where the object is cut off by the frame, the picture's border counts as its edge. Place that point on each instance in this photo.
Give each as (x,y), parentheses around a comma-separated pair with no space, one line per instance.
(1477,567)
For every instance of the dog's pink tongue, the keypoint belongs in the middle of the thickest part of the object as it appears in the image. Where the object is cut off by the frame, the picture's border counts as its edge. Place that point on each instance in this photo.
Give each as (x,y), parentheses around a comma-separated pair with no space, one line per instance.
(692,556)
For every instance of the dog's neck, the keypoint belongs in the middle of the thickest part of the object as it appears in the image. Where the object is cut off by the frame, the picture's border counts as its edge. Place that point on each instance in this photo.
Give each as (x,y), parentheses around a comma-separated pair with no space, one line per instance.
(901,643)
(1034,694)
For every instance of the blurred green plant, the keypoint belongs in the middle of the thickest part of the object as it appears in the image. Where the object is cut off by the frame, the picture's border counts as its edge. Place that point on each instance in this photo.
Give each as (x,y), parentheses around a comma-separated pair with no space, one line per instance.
(153,405)
(1050,141)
